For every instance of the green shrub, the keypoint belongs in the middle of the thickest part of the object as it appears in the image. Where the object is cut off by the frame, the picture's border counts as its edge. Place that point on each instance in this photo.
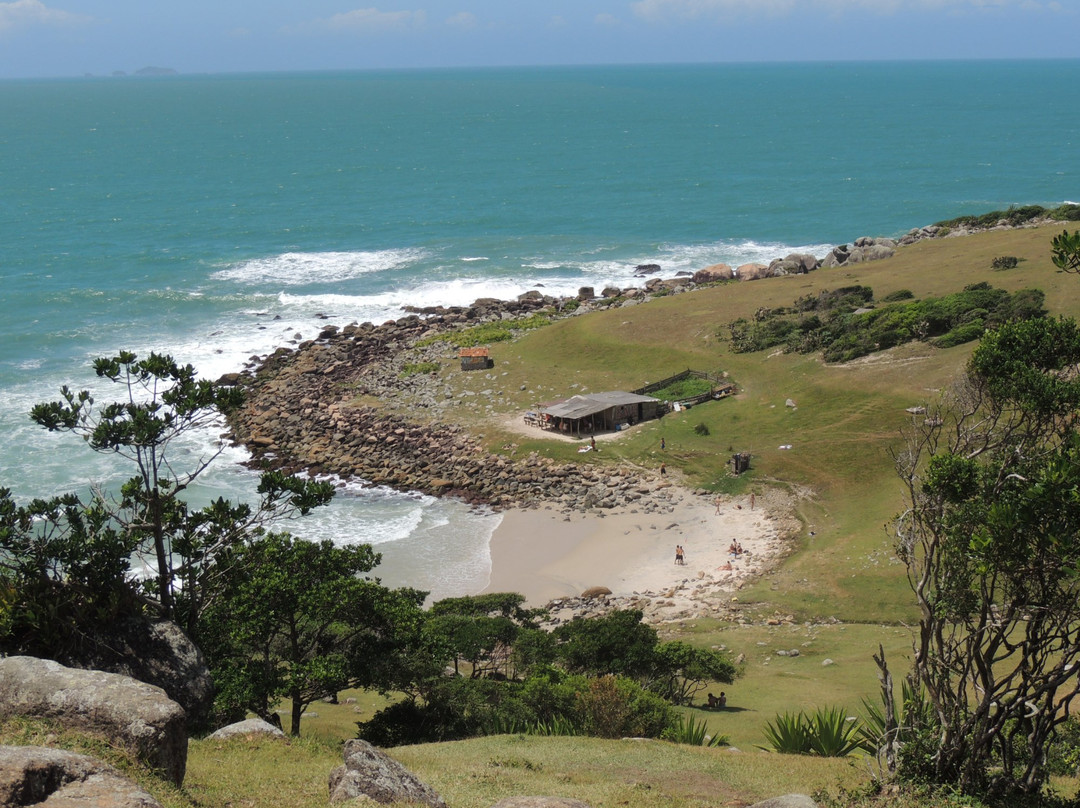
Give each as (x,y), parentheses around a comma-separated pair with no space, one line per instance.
(1067,213)
(829,732)
(1004,262)
(486,333)
(789,735)
(684,388)
(842,334)
(417,368)
(688,730)
(1063,757)
(898,295)
(701,429)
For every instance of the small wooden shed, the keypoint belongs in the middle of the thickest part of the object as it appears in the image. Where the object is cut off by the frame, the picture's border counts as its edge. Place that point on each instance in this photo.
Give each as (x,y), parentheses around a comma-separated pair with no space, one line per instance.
(475,358)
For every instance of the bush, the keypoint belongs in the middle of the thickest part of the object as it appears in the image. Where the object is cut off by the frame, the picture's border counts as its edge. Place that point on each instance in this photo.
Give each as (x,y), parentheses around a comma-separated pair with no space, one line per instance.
(418,368)
(898,295)
(701,429)
(829,732)
(684,388)
(688,730)
(1004,262)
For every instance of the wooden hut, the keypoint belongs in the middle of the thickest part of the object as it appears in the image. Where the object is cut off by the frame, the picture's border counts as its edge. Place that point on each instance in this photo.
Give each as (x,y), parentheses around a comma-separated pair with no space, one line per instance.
(598,412)
(475,358)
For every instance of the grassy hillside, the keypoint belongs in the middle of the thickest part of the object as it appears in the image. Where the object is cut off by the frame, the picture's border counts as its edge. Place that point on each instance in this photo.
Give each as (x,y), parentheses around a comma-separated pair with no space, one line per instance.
(836,596)
(847,417)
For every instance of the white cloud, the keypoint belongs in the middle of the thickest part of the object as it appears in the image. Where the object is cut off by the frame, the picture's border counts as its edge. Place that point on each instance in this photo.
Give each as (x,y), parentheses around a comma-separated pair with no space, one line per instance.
(369,20)
(463,19)
(23,13)
(607,20)
(663,10)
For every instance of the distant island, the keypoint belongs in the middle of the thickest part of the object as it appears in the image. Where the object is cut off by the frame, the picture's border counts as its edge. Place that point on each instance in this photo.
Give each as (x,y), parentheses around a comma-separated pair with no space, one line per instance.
(145,71)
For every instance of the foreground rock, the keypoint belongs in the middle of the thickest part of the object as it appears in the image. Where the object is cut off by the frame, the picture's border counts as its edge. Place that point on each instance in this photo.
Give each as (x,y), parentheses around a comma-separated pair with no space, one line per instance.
(134,714)
(248,727)
(540,802)
(369,773)
(787,801)
(156,652)
(33,775)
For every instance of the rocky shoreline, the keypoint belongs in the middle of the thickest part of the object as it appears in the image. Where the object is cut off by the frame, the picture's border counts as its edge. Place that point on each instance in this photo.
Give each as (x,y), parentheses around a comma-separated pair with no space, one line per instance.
(305,413)
(345,403)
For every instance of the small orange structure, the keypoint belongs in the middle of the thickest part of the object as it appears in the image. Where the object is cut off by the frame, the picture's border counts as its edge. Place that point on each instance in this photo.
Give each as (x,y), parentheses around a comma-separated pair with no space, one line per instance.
(475,358)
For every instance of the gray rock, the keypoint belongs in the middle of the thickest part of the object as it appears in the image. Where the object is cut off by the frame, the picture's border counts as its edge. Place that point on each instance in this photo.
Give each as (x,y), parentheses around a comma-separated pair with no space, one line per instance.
(787,801)
(250,726)
(540,802)
(369,773)
(156,652)
(35,775)
(135,714)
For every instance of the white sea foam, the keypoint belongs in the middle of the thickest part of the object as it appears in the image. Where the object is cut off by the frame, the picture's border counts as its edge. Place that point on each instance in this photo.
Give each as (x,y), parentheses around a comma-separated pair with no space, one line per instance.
(297,268)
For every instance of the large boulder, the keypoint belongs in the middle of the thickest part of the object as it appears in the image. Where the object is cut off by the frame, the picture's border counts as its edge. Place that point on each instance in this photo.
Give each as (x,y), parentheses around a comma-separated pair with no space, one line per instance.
(156,652)
(369,773)
(787,801)
(716,272)
(137,715)
(752,271)
(540,802)
(794,264)
(245,728)
(33,775)
(864,249)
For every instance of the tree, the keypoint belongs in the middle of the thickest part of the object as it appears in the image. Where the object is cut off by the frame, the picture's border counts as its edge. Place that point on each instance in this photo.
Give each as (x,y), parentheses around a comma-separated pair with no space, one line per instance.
(617,643)
(481,630)
(991,541)
(303,624)
(682,671)
(162,402)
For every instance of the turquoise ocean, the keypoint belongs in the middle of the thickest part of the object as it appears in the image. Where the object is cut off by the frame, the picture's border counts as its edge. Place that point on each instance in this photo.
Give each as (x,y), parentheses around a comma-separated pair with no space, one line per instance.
(217,217)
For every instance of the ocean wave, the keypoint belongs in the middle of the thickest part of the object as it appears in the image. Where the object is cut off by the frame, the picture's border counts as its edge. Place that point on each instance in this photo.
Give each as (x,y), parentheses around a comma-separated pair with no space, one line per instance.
(300,268)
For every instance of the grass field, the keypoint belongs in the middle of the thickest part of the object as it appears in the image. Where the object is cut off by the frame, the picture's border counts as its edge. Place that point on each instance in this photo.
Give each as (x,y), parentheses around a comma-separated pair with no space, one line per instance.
(836,597)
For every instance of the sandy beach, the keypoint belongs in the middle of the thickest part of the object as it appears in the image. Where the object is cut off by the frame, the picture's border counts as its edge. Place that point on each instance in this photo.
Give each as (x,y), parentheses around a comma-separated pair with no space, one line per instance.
(547,554)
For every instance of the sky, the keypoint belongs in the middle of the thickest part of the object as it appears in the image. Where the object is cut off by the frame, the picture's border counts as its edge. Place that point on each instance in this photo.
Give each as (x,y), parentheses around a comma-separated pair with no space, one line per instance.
(46,38)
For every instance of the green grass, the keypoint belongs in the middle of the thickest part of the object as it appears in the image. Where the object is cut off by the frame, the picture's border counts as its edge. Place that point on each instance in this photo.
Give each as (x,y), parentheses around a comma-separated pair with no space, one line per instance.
(836,596)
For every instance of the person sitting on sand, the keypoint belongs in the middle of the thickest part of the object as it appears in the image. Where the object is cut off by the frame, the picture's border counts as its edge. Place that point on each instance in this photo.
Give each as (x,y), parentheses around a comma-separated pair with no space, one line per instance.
(733,548)
(726,567)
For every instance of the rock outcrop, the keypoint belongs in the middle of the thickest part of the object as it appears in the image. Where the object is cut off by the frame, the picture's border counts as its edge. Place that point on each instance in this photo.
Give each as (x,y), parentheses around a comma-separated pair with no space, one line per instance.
(156,652)
(864,249)
(249,726)
(369,773)
(787,801)
(714,273)
(139,716)
(35,775)
(540,802)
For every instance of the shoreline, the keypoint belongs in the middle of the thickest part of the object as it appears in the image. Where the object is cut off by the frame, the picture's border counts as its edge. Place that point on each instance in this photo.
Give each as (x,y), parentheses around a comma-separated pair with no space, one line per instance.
(553,557)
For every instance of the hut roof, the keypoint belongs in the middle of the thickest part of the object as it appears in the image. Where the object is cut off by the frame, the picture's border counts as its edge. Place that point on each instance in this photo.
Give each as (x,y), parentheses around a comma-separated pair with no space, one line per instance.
(583,406)
(464,352)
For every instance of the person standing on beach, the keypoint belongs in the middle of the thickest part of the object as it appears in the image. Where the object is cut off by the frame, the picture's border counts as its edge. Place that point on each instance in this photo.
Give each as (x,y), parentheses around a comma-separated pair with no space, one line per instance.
(717,503)
(751,501)
(663,444)
(663,469)
(679,555)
